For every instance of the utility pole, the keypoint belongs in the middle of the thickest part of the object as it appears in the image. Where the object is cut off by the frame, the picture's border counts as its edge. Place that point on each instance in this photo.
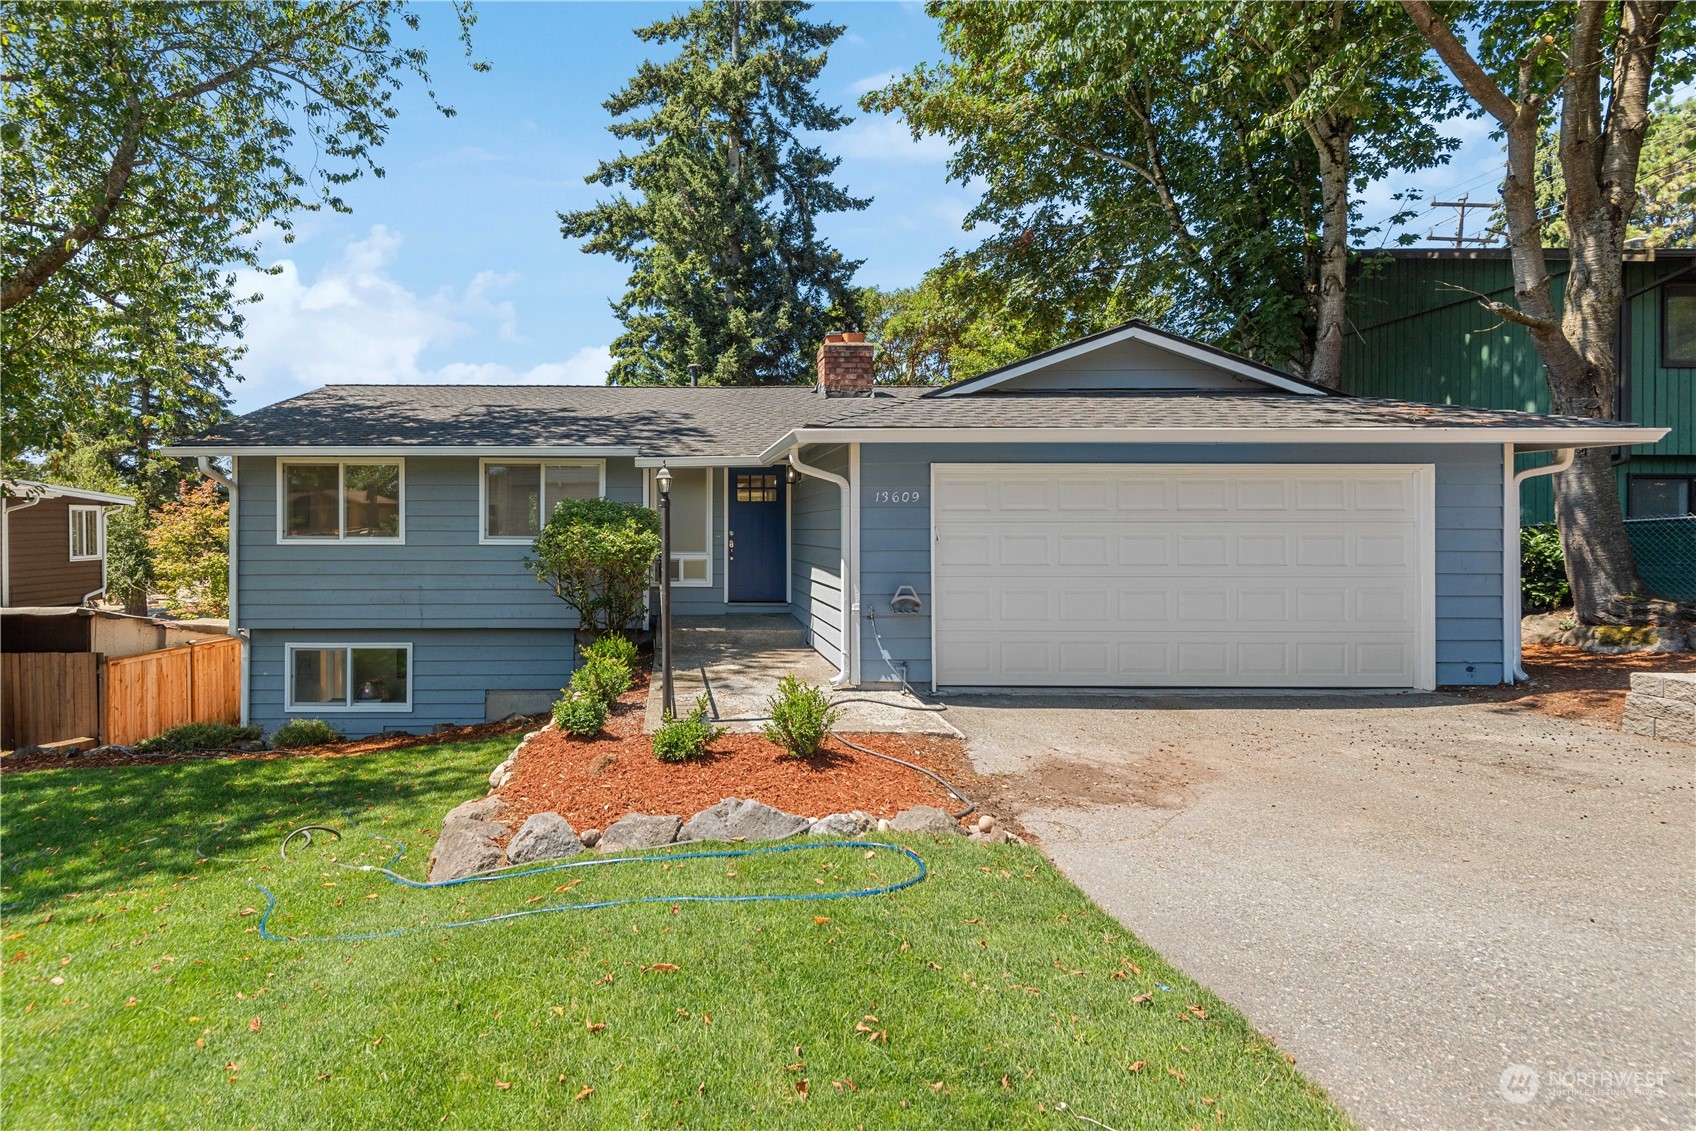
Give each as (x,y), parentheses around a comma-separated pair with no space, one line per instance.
(1462,207)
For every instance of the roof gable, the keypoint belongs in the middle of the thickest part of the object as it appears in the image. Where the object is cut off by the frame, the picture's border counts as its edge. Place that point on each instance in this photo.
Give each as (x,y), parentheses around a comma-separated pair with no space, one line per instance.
(1133,357)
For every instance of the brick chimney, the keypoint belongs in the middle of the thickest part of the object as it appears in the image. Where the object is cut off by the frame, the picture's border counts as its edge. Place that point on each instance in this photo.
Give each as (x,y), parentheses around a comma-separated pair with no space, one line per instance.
(845,365)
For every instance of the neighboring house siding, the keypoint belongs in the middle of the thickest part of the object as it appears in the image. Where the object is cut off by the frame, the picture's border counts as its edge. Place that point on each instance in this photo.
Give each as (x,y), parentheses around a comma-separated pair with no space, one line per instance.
(895,536)
(816,551)
(1414,335)
(442,577)
(452,672)
(38,540)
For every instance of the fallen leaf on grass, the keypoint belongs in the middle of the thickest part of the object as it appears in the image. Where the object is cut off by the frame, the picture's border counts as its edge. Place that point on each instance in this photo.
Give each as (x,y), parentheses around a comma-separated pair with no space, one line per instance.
(199,1042)
(253,1026)
(1199,1012)
(932,966)
(1142,999)
(606,981)
(1182,1079)
(249,911)
(1138,1066)
(1135,969)
(583,1095)
(1118,976)
(323,1076)
(532,899)
(1208,1100)
(707,1018)
(130,1003)
(936,1087)
(1006,1084)
(803,1086)
(567,887)
(594,1026)
(56,980)
(1061,966)
(503,1084)
(662,968)
(821,919)
(796,1067)
(232,1066)
(873,1034)
(558,1010)
(845,1083)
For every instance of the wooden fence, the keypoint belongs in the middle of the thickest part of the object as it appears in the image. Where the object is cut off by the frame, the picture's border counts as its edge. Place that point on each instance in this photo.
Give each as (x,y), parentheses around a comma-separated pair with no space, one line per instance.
(48,696)
(51,696)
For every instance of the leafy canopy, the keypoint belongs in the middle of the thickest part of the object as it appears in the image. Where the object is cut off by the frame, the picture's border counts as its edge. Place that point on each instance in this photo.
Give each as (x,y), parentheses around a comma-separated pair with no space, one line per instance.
(145,146)
(189,545)
(727,268)
(598,557)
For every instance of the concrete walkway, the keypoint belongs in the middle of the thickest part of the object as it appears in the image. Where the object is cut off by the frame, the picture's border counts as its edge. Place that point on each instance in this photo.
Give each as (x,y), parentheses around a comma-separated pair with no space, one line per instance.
(737,662)
(1410,894)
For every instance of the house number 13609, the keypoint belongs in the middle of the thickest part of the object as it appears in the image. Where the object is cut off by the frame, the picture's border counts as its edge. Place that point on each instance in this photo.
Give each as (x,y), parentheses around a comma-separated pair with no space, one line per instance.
(895,496)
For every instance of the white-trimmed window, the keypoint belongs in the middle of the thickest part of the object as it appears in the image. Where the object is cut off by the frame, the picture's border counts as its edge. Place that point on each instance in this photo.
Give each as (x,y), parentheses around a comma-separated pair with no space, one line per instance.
(88,534)
(349,677)
(341,501)
(519,495)
(691,525)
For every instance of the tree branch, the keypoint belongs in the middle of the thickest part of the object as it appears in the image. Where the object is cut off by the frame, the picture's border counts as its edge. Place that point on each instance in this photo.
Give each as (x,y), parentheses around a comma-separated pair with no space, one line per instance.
(1460,62)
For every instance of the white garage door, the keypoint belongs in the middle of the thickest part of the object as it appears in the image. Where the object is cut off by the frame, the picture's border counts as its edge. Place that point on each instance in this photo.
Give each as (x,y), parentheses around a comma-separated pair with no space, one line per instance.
(1162,575)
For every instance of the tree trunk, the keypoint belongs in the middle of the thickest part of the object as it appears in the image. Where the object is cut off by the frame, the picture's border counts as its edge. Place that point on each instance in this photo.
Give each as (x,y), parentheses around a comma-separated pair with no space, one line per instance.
(1331,139)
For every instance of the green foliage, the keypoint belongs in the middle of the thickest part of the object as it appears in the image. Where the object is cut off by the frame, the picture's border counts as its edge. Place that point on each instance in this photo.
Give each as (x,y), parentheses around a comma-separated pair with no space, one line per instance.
(727,269)
(1542,570)
(198,736)
(598,557)
(613,646)
(304,732)
(602,678)
(679,740)
(189,541)
(144,146)
(801,717)
(1159,160)
(581,715)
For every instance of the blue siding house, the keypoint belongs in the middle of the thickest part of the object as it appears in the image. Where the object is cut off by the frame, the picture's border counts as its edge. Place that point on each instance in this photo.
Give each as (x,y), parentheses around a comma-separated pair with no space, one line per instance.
(1133,509)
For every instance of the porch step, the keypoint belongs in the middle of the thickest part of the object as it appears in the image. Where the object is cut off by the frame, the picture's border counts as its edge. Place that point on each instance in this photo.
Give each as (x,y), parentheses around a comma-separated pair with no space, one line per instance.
(737,630)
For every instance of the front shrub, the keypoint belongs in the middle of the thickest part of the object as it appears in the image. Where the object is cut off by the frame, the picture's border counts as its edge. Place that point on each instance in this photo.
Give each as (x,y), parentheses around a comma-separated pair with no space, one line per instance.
(304,732)
(1542,570)
(612,646)
(597,555)
(580,715)
(603,679)
(198,736)
(801,715)
(679,740)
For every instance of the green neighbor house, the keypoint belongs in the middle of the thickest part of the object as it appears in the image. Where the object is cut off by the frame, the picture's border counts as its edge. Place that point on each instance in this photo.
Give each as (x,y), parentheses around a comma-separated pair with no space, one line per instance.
(1417,332)
(1414,335)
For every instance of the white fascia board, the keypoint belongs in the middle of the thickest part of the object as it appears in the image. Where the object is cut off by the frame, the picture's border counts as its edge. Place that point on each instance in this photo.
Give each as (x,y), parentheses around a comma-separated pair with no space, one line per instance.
(1168,342)
(392,450)
(699,461)
(1524,439)
(53,492)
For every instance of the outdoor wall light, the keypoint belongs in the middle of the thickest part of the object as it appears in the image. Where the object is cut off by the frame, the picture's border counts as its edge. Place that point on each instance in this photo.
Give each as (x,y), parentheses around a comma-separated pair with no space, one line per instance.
(790,475)
(662,479)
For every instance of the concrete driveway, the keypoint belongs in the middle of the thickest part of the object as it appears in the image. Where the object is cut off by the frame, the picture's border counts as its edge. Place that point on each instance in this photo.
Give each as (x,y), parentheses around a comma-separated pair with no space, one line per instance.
(1411,894)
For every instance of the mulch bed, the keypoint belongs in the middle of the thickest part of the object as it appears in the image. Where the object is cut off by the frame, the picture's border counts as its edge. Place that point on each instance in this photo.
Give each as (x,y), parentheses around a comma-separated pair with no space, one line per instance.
(593,782)
(1569,683)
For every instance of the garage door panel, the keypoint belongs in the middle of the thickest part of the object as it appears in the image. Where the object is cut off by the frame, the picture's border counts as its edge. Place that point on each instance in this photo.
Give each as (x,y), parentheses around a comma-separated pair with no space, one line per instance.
(1132,575)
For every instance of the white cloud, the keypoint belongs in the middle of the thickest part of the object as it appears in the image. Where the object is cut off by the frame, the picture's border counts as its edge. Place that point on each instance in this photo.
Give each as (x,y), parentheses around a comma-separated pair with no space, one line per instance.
(354,323)
(887,139)
(873,82)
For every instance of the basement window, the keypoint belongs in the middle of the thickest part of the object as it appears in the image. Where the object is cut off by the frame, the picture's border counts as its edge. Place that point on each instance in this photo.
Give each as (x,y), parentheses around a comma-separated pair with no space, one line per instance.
(349,677)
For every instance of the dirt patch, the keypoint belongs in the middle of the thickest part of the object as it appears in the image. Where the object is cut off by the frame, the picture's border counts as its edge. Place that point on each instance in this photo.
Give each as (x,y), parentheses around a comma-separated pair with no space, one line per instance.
(592,782)
(15,764)
(1569,683)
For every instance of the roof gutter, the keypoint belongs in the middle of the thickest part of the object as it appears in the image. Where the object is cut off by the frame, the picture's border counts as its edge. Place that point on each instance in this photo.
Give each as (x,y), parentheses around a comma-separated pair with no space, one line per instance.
(841,678)
(225,448)
(1513,670)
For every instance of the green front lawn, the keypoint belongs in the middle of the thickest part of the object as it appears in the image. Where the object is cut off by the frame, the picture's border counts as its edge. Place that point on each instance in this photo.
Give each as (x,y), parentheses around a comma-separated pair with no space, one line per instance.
(137,990)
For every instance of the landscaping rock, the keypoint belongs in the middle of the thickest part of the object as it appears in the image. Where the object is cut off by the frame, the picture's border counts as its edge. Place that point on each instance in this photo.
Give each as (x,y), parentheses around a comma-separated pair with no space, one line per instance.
(590,837)
(465,848)
(112,748)
(883,824)
(544,836)
(502,773)
(737,818)
(250,746)
(925,819)
(986,823)
(479,809)
(638,830)
(840,824)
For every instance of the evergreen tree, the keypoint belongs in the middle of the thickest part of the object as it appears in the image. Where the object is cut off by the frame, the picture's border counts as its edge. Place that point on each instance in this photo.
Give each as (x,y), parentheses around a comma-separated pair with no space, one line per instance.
(728,270)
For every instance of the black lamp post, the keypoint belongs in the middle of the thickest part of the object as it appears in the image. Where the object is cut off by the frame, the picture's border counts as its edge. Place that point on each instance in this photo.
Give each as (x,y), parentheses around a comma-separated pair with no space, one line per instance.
(668,695)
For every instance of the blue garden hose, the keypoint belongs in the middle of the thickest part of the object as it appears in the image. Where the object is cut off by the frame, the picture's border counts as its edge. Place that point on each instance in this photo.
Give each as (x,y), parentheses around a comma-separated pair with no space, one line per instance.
(491,877)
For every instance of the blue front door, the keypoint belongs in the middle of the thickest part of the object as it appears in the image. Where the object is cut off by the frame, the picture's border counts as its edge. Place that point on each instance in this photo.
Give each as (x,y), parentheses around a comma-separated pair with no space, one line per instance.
(757,535)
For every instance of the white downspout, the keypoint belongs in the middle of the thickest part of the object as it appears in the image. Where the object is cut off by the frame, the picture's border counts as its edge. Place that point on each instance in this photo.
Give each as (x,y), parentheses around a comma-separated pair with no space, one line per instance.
(6,545)
(841,678)
(1510,548)
(229,484)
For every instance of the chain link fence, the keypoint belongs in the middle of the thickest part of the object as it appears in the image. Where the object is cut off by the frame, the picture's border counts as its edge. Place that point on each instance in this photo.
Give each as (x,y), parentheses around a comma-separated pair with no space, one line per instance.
(1666,554)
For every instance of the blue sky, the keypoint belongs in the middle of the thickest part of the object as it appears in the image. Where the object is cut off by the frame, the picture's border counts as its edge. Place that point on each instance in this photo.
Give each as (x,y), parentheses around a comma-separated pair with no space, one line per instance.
(452,268)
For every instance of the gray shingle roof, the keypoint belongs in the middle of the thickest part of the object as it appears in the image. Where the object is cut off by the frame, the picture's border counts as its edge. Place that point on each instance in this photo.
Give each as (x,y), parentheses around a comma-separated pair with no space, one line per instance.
(728,422)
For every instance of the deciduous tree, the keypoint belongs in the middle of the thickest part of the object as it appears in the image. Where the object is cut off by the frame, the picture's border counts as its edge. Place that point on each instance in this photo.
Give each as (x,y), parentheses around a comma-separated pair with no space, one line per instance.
(189,545)
(1596,66)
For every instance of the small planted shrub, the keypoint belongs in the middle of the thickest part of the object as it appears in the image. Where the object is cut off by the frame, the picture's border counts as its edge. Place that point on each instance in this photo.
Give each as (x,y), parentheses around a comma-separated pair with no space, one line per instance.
(198,736)
(603,679)
(580,715)
(612,646)
(678,740)
(304,732)
(1542,570)
(801,716)
(597,555)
